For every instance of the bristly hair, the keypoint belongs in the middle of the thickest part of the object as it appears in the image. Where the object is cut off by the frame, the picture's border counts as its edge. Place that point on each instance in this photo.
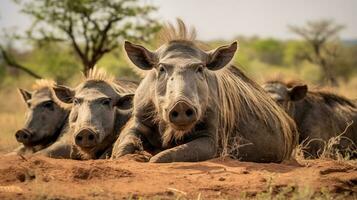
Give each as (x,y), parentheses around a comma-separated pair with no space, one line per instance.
(170,33)
(330,98)
(100,75)
(43,83)
(240,99)
(288,82)
(49,84)
(316,93)
(180,33)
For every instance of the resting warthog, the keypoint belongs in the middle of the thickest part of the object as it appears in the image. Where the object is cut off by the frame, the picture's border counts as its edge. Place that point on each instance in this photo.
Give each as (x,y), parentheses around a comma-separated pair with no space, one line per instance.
(319,115)
(192,106)
(45,118)
(99,108)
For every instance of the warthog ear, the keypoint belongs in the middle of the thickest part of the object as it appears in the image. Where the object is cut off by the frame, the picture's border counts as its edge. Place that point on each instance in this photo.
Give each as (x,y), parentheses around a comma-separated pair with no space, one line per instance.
(63,93)
(221,56)
(140,56)
(125,102)
(26,95)
(297,92)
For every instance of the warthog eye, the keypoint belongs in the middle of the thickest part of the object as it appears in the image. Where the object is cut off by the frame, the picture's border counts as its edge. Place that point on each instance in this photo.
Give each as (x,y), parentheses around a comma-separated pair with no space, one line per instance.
(162,69)
(199,69)
(48,105)
(76,101)
(161,72)
(106,102)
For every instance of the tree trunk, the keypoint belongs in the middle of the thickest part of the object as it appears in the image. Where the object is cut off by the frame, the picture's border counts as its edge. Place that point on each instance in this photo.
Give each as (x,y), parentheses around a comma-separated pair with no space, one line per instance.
(328,76)
(88,65)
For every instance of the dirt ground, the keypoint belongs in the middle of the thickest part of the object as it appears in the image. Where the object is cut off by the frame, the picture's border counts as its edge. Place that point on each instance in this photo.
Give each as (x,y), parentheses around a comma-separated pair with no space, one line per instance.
(131,178)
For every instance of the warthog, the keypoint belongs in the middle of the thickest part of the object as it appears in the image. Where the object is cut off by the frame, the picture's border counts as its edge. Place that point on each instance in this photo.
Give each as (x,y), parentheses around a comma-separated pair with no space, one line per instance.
(192,106)
(45,118)
(100,106)
(319,115)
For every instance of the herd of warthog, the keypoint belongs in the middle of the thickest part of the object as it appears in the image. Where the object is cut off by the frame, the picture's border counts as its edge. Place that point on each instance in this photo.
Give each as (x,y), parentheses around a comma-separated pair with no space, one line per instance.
(192,105)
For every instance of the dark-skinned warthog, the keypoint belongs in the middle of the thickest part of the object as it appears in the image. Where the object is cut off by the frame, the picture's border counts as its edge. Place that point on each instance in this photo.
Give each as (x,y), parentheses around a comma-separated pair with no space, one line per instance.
(319,116)
(100,107)
(192,106)
(45,118)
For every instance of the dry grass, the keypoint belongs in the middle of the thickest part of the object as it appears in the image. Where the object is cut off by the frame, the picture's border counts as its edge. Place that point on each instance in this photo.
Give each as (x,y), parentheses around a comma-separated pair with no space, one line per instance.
(349,89)
(12,114)
(9,123)
(329,150)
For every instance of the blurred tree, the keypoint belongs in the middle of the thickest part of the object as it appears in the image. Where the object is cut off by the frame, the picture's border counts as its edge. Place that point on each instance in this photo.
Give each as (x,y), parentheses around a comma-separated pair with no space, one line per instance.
(344,60)
(50,64)
(269,51)
(93,27)
(294,52)
(318,34)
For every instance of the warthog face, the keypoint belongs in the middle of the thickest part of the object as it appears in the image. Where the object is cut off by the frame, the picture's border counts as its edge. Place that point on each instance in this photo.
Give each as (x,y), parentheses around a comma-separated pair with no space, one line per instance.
(94,108)
(44,117)
(181,81)
(282,94)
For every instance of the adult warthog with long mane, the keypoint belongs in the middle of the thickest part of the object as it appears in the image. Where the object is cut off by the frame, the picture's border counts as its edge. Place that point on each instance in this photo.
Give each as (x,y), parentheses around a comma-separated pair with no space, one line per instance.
(193,105)
(319,116)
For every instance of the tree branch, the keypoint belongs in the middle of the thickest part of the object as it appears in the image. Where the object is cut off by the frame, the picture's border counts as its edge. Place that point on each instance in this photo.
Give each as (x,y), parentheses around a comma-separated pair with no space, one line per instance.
(14,64)
(86,38)
(70,33)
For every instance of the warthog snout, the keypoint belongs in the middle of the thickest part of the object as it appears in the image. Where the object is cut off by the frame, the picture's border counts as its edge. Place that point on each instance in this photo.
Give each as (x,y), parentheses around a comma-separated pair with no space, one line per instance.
(86,138)
(182,114)
(23,136)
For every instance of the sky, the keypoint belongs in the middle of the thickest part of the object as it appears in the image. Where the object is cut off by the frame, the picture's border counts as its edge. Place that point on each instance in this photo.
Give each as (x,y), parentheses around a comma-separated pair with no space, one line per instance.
(226,19)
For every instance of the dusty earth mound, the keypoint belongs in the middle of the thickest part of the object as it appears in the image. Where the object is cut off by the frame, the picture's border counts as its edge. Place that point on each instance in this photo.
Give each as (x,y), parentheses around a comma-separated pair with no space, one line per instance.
(44,178)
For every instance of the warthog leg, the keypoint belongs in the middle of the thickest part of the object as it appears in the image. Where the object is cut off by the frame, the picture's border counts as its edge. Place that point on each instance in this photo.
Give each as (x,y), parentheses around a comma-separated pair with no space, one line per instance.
(57,150)
(197,150)
(18,151)
(127,143)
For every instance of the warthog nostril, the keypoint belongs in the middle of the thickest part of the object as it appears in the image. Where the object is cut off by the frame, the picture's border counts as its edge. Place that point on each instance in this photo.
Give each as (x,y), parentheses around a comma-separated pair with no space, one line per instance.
(91,137)
(174,114)
(79,138)
(189,112)
(182,114)
(86,138)
(23,135)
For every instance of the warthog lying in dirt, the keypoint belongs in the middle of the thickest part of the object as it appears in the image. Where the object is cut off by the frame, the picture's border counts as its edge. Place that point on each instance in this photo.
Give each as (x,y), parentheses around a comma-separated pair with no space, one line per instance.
(192,106)
(99,108)
(319,115)
(45,118)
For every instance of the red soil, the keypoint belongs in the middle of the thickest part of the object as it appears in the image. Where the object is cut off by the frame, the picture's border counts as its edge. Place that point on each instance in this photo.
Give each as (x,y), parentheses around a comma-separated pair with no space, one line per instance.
(44,178)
